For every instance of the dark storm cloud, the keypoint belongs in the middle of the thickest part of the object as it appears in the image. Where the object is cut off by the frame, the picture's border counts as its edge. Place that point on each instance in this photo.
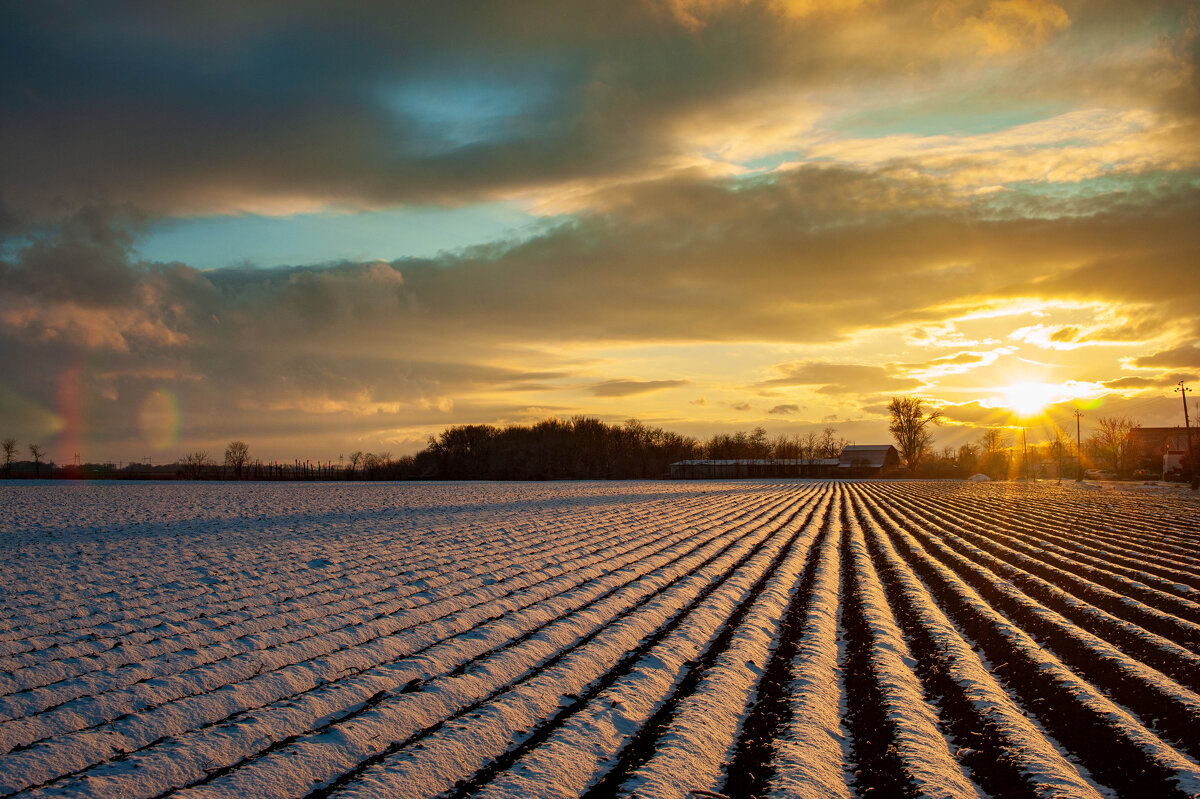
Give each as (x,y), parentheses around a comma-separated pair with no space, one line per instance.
(231,105)
(197,107)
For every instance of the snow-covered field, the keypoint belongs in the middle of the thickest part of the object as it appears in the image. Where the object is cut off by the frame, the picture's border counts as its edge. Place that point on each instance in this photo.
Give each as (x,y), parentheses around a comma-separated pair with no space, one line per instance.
(746,638)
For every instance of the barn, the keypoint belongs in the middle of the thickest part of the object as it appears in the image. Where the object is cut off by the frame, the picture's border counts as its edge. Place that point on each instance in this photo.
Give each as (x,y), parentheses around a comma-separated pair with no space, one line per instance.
(868,460)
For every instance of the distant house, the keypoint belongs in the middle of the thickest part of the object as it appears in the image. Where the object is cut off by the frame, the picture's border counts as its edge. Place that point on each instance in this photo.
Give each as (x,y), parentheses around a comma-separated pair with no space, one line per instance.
(868,460)
(1160,451)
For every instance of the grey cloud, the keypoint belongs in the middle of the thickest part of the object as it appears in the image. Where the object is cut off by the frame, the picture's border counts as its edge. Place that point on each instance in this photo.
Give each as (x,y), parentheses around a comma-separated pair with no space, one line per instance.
(785,410)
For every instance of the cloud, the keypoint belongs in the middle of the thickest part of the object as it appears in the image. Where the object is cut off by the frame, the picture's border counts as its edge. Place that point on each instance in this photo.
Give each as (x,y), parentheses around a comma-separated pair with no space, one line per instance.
(299,106)
(630,388)
(1184,355)
(785,176)
(1140,325)
(1005,25)
(785,410)
(811,259)
(1076,146)
(1159,381)
(842,378)
(959,363)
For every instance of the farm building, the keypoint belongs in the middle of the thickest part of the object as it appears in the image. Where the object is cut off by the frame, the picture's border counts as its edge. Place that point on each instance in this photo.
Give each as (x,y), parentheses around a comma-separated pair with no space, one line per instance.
(1160,450)
(868,460)
(754,467)
(863,460)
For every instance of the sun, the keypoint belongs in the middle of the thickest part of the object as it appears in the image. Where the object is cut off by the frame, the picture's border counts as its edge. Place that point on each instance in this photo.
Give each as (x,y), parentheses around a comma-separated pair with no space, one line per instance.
(1029,399)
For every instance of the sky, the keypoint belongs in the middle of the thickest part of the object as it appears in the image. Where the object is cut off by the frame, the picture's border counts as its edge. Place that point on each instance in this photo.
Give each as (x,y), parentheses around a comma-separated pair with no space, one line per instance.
(322,228)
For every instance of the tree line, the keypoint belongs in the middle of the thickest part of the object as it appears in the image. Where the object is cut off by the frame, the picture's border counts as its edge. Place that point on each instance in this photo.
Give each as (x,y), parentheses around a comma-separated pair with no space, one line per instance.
(584,447)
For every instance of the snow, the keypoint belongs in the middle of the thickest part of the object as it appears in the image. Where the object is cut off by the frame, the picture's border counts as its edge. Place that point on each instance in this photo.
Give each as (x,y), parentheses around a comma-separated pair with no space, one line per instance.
(931,764)
(811,761)
(366,639)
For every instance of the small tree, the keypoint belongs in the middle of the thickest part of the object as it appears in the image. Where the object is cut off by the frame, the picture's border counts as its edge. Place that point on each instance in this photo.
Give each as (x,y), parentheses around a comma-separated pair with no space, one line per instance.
(237,455)
(10,452)
(910,426)
(194,464)
(38,453)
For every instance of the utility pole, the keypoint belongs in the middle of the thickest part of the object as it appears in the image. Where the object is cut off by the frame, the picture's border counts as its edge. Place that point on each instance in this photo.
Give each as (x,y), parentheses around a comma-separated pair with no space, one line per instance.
(1078,448)
(1187,428)
(1025,451)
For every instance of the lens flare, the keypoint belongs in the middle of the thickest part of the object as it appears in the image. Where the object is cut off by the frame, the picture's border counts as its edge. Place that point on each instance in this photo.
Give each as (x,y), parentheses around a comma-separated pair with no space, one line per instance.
(159,419)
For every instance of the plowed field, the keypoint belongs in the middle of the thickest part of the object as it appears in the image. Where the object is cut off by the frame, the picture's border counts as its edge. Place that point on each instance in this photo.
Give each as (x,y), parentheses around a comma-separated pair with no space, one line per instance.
(596,639)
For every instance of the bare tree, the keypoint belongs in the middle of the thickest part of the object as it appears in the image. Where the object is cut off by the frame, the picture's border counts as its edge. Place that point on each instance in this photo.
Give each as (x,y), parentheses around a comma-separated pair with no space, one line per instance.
(356,460)
(1113,441)
(810,447)
(831,444)
(967,458)
(786,447)
(237,455)
(994,444)
(194,464)
(995,440)
(1059,446)
(10,451)
(910,426)
(759,446)
(38,453)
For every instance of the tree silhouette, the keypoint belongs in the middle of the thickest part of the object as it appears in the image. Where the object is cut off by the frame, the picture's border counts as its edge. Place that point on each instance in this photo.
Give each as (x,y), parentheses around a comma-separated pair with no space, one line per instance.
(237,455)
(578,448)
(1113,440)
(193,464)
(10,451)
(831,445)
(38,453)
(1058,447)
(910,426)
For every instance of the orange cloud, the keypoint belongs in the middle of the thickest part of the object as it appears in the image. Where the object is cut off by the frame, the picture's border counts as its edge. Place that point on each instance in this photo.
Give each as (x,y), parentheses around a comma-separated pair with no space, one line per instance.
(1002,26)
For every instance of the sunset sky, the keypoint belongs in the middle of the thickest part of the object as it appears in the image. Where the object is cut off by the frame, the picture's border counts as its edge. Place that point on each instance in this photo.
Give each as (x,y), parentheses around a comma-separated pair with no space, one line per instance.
(323,228)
